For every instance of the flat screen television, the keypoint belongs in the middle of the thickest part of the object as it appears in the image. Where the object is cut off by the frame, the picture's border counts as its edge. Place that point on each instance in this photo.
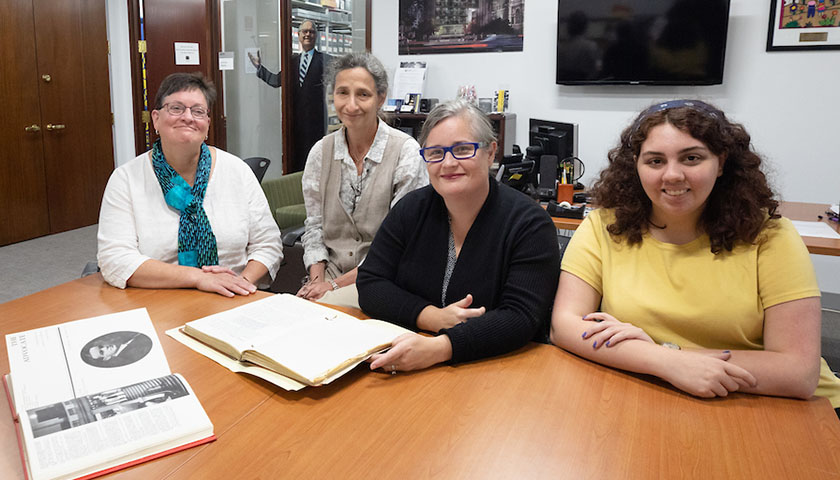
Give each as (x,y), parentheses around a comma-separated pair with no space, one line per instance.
(651,42)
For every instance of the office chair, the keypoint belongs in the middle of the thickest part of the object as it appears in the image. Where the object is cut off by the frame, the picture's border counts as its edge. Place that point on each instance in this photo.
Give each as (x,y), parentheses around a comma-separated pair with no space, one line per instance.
(258,165)
(285,199)
(90,269)
(830,338)
(563,241)
(288,278)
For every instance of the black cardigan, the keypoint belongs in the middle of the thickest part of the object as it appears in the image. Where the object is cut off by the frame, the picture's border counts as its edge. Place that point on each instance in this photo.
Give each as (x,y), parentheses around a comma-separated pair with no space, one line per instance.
(509,262)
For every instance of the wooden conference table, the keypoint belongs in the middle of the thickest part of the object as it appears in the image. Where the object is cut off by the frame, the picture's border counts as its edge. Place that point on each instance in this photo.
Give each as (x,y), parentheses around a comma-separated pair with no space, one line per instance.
(537,413)
(792,210)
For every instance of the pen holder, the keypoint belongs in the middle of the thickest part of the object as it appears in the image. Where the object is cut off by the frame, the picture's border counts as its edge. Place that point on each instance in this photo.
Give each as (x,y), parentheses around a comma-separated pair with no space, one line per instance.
(565,192)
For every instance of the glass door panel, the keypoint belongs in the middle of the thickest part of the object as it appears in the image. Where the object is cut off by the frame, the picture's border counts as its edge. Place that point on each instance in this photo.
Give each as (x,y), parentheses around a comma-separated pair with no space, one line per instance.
(341,30)
(252,105)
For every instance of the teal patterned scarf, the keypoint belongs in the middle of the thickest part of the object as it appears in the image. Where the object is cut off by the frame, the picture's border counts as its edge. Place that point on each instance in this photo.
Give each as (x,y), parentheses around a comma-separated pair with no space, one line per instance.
(196,242)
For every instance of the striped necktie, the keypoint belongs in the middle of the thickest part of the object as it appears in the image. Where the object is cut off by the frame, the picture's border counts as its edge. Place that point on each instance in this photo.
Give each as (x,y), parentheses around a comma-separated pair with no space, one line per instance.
(304,65)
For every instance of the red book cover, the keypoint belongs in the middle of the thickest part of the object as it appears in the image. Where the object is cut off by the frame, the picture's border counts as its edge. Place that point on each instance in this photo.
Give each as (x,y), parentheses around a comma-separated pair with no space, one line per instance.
(99,473)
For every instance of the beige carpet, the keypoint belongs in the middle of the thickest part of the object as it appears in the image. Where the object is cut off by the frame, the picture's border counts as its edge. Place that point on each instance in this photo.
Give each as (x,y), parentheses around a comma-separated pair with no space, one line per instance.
(34,265)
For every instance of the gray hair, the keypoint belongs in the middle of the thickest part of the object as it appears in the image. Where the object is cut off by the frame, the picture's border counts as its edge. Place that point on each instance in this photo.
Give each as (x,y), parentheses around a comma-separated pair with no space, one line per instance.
(358,60)
(479,123)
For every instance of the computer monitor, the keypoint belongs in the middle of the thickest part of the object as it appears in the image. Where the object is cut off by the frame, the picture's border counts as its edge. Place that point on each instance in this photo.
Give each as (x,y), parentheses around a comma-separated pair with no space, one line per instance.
(555,138)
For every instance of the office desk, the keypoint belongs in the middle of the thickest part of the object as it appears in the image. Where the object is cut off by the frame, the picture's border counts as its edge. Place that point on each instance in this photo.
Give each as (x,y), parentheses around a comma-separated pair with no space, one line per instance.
(791,210)
(89,297)
(538,413)
(808,212)
(561,223)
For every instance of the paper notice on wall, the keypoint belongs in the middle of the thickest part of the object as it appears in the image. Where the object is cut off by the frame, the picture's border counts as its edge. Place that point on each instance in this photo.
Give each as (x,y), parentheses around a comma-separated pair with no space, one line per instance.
(186,53)
(225,60)
(410,78)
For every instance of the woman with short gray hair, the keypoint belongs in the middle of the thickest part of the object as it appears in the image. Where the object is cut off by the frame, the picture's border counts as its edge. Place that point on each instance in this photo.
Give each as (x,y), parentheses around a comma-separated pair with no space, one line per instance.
(479,123)
(352,179)
(470,260)
(359,60)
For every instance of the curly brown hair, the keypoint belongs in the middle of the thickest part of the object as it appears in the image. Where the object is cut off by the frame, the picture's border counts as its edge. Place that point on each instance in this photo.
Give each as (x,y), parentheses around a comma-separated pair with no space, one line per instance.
(741,202)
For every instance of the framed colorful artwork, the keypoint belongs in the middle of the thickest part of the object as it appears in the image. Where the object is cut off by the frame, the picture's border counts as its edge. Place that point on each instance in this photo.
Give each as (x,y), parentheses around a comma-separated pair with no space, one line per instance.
(804,25)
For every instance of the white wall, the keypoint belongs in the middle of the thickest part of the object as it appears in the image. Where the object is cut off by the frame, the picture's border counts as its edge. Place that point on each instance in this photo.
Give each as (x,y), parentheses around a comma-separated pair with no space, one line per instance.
(783,98)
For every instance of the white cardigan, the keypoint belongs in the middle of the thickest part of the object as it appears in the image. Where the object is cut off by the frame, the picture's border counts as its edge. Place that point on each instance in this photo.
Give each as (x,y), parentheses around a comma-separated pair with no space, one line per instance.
(136,224)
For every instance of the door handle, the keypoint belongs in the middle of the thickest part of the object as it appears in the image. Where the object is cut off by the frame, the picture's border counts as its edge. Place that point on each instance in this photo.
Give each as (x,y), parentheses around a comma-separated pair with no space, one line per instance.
(32,128)
(46,78)
(57,126)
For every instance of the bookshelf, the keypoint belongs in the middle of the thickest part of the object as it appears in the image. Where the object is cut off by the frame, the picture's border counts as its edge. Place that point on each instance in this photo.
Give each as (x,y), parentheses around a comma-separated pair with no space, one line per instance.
(504,124)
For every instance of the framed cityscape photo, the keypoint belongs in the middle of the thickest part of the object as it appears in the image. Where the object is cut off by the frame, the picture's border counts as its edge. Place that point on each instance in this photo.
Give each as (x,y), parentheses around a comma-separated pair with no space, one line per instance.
(444,26)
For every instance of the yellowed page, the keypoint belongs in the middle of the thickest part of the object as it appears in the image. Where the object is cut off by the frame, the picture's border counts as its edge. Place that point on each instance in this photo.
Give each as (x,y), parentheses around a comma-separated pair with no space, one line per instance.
(321,346)
(312,341)
(235,366)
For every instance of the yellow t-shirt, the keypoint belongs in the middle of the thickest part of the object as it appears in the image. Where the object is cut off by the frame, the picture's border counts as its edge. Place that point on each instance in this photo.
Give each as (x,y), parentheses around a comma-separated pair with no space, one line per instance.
(685,294)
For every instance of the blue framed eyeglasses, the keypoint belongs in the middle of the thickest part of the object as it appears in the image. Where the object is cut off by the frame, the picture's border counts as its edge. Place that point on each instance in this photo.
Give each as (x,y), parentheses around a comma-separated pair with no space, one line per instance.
(459,151)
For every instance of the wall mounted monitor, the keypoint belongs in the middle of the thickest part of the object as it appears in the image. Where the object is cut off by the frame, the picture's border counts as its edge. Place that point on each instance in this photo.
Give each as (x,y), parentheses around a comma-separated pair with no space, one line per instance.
(661,42)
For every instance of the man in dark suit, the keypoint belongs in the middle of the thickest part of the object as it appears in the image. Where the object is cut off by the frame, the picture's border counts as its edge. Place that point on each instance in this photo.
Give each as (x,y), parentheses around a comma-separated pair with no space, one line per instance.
(308,100)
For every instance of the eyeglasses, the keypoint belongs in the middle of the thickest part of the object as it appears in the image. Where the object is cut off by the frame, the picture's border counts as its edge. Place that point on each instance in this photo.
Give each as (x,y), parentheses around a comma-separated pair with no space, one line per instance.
(309,31)
(176,110)
(459,151)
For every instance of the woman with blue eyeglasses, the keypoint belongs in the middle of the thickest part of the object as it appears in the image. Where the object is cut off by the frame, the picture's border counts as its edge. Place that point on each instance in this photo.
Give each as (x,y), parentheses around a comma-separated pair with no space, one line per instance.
(468,259)
(184,214)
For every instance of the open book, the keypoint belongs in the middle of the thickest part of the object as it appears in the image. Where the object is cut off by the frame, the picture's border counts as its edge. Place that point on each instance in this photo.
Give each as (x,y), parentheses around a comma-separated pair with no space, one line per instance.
(302,341)
(93,396)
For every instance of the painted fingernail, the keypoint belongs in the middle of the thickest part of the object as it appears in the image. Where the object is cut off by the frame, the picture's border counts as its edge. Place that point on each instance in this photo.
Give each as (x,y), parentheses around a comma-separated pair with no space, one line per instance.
(608,343)
(584,335)
(584,317)
(595,344)
(726,351)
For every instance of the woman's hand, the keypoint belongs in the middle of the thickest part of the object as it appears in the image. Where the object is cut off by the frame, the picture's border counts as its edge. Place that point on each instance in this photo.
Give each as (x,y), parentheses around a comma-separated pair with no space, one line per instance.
(434,319)
(609,331)
(314,290)
(217,269)
(411,351)
(705,374)
(222,280)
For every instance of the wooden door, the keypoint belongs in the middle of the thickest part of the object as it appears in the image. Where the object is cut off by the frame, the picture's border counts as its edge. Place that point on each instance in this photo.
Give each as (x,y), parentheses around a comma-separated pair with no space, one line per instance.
(57,150)
(164,23)
(72,46)
(23,194)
